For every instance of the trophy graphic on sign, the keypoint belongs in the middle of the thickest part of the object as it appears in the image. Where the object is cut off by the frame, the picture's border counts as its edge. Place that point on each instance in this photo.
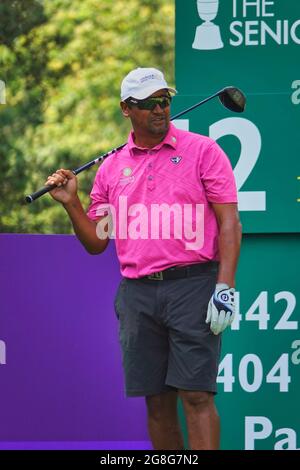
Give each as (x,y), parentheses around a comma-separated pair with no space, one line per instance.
(208,34)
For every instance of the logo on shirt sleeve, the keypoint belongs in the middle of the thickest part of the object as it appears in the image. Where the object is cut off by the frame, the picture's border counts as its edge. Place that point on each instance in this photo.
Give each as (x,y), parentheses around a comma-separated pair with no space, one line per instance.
(176,159)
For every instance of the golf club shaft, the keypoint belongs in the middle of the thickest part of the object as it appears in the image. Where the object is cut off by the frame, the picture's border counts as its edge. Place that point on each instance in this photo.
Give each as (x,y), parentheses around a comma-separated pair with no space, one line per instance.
(196,105)
(32,197)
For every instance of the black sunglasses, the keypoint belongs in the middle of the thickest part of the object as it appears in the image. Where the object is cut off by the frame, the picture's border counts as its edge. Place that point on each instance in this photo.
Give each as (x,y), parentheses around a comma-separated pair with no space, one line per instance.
(150,103)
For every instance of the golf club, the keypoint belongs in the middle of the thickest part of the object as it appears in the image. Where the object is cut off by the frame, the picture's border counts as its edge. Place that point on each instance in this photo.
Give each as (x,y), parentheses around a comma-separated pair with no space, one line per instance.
(230,97)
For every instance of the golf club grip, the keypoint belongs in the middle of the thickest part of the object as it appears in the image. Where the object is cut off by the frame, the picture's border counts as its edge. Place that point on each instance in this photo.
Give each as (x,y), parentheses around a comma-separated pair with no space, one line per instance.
(32,197)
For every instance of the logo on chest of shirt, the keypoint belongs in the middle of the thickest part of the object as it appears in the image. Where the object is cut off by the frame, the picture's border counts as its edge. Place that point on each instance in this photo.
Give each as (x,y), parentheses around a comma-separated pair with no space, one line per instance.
(176,159)
(127,171)
(127,176)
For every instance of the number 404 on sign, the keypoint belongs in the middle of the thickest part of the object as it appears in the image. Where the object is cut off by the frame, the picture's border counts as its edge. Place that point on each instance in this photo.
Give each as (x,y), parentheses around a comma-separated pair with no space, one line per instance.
(251,374)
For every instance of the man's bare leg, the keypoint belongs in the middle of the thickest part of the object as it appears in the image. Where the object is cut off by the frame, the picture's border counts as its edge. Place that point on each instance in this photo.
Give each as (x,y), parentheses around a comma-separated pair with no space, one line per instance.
(202,420)
(163,423)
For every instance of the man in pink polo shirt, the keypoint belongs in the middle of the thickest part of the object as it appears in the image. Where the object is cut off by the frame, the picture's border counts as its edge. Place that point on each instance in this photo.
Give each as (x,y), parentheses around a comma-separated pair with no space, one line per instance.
(169,200)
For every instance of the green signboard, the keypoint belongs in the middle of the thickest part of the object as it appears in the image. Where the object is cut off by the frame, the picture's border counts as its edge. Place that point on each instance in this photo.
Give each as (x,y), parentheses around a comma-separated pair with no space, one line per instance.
(259,374)
(254,45)
(259,371)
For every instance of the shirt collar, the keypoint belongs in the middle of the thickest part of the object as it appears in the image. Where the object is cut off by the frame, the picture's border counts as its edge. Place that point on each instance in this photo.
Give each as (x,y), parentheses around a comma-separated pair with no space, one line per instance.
(170,139)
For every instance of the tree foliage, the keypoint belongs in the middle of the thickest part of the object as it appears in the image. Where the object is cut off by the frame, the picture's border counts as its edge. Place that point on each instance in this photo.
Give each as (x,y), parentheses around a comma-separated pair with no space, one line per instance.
(63,62)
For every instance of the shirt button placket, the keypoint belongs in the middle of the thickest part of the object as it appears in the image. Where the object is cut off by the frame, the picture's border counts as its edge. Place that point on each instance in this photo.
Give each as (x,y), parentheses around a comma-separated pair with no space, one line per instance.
(150,174)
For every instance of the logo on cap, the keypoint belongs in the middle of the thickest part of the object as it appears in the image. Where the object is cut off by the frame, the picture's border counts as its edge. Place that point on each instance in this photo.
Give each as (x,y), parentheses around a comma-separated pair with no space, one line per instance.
(149,77)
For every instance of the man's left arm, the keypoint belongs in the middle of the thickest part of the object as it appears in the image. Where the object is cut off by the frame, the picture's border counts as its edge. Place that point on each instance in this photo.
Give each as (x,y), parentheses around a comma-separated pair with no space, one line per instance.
(221,307)
(230,234)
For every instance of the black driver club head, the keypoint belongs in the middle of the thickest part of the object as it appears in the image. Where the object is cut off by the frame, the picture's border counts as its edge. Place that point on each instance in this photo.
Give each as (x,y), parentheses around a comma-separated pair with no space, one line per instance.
(233,98)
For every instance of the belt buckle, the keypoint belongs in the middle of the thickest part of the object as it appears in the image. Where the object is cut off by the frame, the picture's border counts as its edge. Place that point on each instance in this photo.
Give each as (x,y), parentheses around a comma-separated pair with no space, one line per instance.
(156,276)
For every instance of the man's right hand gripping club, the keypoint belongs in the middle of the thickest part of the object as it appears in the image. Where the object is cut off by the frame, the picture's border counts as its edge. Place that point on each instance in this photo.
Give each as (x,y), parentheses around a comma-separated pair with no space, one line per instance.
(66,183)
(221,308)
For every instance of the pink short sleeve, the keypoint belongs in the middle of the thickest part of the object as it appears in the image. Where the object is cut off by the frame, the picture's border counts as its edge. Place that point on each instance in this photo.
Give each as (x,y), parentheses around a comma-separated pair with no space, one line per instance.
(98,196)
(217,176)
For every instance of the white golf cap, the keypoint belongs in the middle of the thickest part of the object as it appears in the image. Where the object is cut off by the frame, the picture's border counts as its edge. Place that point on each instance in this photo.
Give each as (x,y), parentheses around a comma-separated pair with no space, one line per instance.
(142,82)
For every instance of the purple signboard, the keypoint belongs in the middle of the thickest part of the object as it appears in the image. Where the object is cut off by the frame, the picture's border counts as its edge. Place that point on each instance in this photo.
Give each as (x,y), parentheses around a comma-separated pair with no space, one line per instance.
(61,378)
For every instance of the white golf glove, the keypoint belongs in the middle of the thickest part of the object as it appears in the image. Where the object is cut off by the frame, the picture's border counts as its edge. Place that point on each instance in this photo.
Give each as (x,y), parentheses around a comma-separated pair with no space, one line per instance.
(221,308)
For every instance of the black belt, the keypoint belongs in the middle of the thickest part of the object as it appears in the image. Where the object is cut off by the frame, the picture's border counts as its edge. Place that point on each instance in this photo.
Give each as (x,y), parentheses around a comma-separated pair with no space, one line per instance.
(179,272)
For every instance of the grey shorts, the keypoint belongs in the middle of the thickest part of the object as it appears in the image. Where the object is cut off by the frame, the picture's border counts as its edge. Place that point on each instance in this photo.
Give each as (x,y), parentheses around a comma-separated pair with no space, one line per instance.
(165,341)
